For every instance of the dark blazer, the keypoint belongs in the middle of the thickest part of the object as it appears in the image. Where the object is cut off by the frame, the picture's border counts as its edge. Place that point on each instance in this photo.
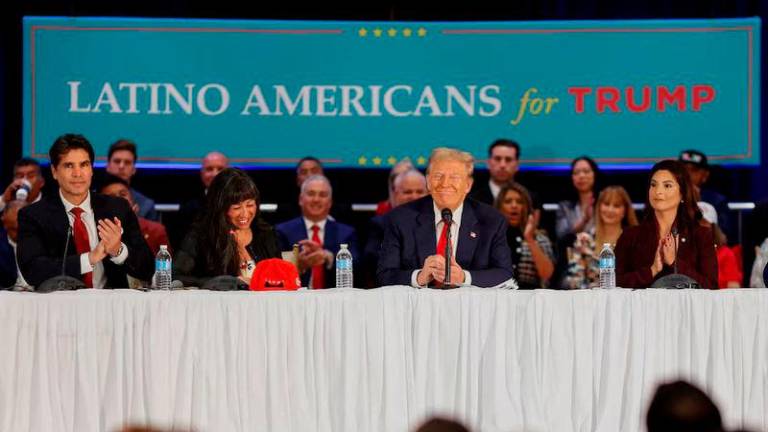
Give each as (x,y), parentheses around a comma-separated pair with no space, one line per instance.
(190,268)
(291,232)
(7,261)
(372,247)
(482,192)
(43,230)
(636,249)
(410,237)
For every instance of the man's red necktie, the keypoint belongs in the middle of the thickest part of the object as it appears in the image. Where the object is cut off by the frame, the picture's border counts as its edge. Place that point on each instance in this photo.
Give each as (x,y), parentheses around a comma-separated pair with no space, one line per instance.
(441,246)
(443,240)
(82,243)
(318,271)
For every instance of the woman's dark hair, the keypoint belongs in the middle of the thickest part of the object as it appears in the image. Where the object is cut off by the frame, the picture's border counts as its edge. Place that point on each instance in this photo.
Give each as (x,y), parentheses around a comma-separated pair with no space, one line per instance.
(524,194)
(595,170)
(231,186)
(688,213)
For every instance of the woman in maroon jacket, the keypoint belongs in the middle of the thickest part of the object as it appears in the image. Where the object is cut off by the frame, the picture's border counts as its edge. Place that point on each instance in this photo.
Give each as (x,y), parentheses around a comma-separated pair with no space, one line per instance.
(647,252)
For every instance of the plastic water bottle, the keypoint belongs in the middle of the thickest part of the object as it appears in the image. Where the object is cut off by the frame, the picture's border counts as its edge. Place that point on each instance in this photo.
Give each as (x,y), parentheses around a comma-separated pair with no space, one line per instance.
(344,267)
(607,267)
(23,191)
(162,278)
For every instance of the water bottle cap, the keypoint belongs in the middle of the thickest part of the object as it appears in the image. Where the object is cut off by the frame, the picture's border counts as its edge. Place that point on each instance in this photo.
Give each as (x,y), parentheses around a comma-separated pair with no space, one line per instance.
(344,245)
(163,247)
(606,245)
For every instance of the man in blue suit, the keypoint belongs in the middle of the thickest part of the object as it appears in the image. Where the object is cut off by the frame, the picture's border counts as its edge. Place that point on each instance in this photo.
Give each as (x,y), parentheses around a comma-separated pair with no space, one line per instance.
(416,235)
(318,236)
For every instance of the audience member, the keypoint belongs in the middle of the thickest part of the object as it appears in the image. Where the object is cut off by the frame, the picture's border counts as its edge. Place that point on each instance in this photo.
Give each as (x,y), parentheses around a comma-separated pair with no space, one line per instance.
(407,186)
(416,235)
(318,236)
(614,213)
(503,163)
(698,168)
(388,204)
(437,424)
(211,165)
(154,232)
(729,271)
(575,215)
(682,407)
(648,251)
(121,162)
(230,237)
(533,259)
(24,170)
(101,227)
(11,275)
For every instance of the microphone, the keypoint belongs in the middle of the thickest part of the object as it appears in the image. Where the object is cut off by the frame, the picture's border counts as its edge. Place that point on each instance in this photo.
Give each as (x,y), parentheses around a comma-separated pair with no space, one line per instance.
(447,217)
(224,283)
(62,282)
(675,280)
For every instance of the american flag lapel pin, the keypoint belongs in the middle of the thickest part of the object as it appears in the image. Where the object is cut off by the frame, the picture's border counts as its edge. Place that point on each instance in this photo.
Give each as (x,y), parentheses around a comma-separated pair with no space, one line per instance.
(473,234)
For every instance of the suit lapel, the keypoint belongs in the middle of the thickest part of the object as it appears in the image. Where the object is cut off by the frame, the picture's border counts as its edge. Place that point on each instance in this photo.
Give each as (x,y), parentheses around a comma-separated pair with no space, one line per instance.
(426,238)
(60,221)
(467,241)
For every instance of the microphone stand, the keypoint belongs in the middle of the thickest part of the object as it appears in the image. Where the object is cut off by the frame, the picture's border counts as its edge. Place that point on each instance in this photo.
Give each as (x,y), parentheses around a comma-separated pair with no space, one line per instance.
(448,255)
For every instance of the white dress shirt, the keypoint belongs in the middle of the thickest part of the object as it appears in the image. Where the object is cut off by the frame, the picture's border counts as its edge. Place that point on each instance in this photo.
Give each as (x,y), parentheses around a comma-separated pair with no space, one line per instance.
(20,281)
(455,225)
(99,279)
(495,189)
(320,233)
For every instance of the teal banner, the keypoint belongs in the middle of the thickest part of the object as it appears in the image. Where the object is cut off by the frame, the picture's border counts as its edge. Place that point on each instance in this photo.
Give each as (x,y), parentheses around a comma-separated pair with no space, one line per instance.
(367,94)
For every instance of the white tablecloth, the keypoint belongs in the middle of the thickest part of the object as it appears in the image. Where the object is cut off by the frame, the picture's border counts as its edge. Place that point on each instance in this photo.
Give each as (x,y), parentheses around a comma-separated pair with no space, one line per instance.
(379,360)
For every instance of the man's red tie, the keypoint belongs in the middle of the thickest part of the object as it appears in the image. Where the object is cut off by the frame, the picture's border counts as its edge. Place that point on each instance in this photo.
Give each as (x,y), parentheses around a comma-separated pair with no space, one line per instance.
(318,272)
(441,247)
(443,240)
(82,243)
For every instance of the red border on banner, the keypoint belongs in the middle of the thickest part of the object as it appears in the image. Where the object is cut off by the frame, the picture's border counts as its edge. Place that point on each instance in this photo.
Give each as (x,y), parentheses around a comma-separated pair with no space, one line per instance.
(750,78)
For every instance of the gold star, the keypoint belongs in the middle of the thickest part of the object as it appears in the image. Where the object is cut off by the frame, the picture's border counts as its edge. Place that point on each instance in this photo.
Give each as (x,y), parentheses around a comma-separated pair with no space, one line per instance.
(407,32)
(362,160)
(421,160)
(377,161)
(362,32)
(392,160)
(377,32)
(392,32)
(422,32)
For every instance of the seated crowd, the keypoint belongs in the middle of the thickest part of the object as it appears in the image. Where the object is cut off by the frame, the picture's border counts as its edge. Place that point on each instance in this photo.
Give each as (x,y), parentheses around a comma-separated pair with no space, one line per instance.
(491,232)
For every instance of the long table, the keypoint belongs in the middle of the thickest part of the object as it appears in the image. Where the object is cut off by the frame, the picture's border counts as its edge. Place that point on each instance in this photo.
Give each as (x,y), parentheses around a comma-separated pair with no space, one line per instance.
(377,360)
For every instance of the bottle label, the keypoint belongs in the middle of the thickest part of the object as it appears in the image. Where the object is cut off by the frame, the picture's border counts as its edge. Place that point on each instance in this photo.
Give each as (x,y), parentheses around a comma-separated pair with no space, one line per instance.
(343,264)
(606,263)
(162,265)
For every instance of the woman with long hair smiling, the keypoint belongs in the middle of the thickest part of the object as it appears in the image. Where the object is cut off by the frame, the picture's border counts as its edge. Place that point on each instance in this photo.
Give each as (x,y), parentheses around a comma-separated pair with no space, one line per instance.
(669,232)
(230,237)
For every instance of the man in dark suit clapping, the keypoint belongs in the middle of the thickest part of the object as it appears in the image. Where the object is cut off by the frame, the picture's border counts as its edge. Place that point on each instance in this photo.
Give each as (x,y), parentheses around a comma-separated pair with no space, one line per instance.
(105,244)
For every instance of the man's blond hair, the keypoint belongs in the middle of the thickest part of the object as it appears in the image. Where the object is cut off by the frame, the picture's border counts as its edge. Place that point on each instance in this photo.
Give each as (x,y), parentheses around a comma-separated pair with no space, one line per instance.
(445,153)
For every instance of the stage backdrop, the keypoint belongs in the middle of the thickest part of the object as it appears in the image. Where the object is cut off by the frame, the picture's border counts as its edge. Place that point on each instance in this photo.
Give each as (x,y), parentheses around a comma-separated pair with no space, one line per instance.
(366,94)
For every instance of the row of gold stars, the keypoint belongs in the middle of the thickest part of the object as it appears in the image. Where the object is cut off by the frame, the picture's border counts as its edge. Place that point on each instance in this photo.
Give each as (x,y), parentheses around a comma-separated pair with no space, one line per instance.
(392,32)
(391,161)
